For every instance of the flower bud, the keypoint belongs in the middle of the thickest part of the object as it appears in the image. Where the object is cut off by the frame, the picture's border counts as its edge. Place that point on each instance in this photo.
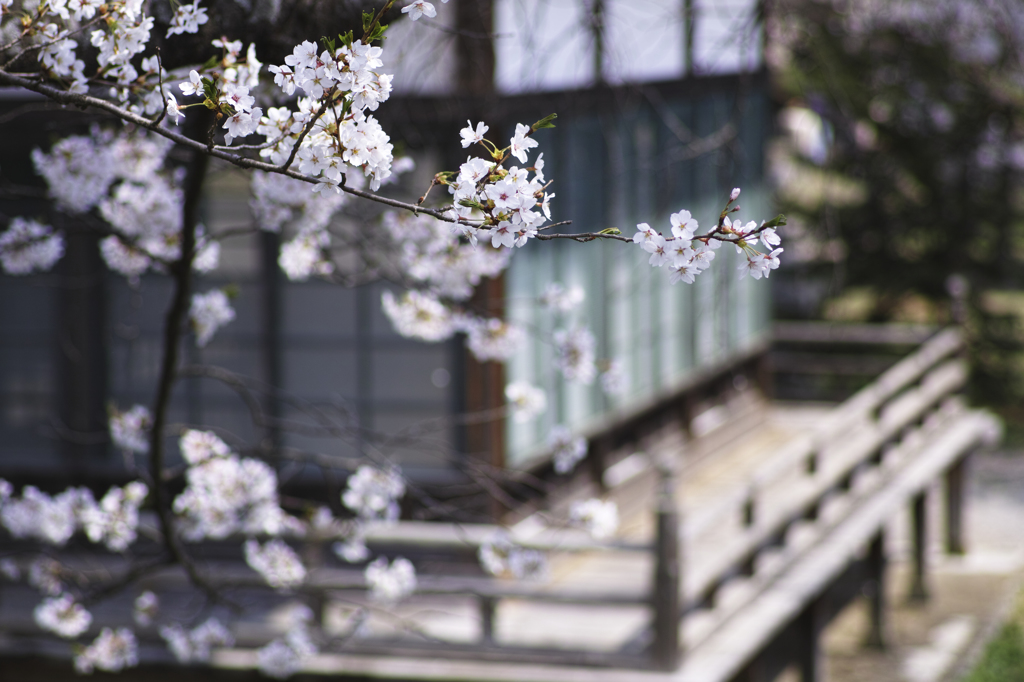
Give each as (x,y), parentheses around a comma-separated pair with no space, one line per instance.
(735,194)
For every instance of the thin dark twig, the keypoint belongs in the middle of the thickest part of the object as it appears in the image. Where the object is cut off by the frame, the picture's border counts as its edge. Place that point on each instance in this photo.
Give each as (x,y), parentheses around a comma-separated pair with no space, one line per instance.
(584,237)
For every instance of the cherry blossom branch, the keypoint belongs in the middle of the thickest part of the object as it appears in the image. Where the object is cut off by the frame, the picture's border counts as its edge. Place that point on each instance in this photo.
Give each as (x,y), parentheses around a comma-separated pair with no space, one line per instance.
(584,237)
(86,101)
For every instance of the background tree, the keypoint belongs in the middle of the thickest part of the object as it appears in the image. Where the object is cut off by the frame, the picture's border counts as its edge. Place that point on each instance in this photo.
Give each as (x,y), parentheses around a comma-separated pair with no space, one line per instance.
(920,176)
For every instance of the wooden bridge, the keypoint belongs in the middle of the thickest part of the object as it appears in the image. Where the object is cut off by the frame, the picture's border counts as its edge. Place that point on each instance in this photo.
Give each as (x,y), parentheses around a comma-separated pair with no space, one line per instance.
(741,542)
(746,528)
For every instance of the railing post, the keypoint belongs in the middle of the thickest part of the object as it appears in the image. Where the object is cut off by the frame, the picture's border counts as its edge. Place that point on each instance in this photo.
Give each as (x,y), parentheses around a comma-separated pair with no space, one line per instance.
(919,538)
(874,591)
(955,480)
(810,657)
(488,606)
(313,557)
(750,509)
(667,570)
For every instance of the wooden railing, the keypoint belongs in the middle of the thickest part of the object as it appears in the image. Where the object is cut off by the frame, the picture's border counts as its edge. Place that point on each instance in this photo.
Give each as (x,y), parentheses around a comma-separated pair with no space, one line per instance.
(854,437)
(870,431)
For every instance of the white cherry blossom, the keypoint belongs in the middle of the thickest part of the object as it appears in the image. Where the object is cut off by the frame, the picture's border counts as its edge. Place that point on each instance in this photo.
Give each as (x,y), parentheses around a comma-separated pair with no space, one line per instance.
(62,616)
(499,556)
(567,449)
(373,493)
(525,400)
(419,8)
(187,19)
(145,608)
(521,143)
(28,246)
(129,430)
(195,645)
(471,136)
(392,583)
(112,651)
(574,354)
(598,517)
(209,312)
(276,562)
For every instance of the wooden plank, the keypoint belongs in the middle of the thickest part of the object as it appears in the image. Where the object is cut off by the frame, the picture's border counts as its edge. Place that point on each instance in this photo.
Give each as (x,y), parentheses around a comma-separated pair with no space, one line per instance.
(833,333)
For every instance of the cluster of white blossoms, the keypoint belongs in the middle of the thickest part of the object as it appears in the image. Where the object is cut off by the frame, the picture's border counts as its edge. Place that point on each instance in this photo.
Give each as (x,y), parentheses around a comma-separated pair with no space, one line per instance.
(282,657)
(598,517)
(55,519)
(80,169)
(436,259)
(278,563)
(145,608)
(62,616)
(389,584)
(495,209)
(194,646)
(187,18)
(226,494)
(119,174)
(27,246)
(279,201)
(419,315)
(613,378)
(341,84)
(373,494)
(225,88)
(491,338)
(562,299)
(758,264)
(446,267)
(47,576)
(497,203)
(115,519)
(424,316)
(113,651)
(687,255)
(353,549)
(501,557)
(574,354)
(129,430)
(567,449)
(208,313)
(525,401)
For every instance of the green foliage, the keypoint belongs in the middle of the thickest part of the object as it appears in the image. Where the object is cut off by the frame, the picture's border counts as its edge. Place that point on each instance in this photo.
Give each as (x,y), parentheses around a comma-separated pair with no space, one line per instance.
(546,122)
(376,34)
(1003,660)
